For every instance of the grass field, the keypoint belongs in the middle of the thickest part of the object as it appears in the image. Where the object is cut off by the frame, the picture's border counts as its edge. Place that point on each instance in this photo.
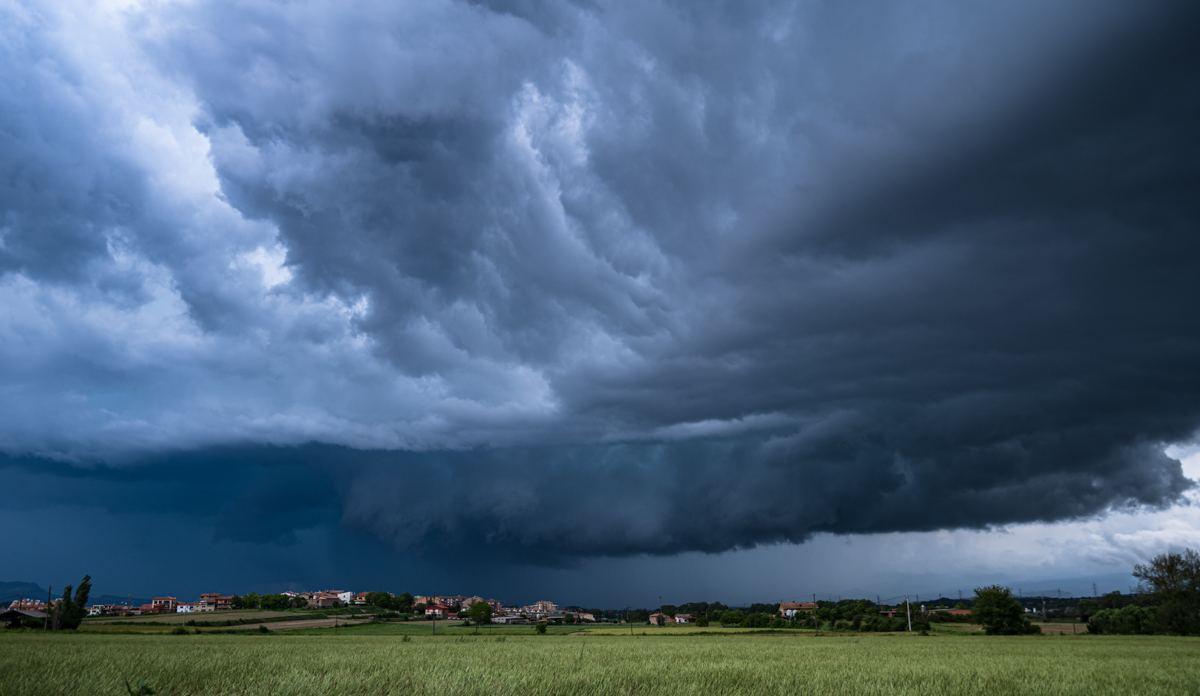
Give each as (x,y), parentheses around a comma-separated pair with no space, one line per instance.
(394,660)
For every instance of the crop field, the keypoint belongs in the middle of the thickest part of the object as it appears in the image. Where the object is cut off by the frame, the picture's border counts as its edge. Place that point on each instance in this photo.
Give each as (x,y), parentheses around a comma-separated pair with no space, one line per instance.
(379,661)
(179,618)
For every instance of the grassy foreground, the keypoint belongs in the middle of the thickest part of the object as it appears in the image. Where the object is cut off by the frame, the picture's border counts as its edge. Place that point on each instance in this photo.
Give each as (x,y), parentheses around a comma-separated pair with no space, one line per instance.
(715,664)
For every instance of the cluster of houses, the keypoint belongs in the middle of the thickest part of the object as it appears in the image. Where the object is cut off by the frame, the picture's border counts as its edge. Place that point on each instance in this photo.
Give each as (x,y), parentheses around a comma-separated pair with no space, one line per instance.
(788,609)
(449,607)
(433,606)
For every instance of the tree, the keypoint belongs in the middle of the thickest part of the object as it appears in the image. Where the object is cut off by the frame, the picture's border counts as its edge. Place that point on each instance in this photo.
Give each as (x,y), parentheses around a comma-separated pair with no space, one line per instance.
(1087,609)
(568,618)
(275,602)
(69,612)
(1000,613)
(733,616)
(382,600)
(480,613)
(404,602)
(1173,580)
(250,601)
(540,628)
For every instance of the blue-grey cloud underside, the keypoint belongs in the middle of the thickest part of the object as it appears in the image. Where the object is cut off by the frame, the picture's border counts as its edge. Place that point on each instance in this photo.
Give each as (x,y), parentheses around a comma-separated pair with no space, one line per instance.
(566,279)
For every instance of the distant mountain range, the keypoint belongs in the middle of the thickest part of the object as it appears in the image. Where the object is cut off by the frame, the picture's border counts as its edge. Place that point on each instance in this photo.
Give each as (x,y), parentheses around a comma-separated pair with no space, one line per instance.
(10,591)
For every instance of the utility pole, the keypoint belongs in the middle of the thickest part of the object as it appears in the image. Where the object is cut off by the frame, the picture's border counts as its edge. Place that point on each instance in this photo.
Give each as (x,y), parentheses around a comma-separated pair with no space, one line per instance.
(1095,592)
(816,621)
(49,594)
(1044,608)
(908,611)
(629,618)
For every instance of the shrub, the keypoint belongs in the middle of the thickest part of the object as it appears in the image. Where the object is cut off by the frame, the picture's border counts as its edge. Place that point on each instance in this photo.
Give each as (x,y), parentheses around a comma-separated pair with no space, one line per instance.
(1127,621)
(541,628)
(179,631)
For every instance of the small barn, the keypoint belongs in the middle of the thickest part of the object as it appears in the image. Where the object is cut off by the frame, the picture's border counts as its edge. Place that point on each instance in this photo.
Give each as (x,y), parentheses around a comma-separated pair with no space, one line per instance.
(12,618)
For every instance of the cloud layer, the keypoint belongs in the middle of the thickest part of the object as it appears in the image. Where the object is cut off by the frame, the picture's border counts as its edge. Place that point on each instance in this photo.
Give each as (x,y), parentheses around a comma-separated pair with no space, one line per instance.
(566,279)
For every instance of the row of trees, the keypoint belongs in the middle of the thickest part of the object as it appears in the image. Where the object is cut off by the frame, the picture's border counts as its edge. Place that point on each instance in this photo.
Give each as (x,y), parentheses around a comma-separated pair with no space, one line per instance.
(1172,581)
(273,602)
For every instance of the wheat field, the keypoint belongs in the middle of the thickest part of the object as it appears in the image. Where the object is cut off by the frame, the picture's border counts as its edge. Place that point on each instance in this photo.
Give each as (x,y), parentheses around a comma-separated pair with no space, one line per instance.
(383,663)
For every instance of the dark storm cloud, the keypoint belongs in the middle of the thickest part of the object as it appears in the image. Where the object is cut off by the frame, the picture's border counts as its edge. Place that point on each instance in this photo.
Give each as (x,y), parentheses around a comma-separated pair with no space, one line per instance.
(572,279)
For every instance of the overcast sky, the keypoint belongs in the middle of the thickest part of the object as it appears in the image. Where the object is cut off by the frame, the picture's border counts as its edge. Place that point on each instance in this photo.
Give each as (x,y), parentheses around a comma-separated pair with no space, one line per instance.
(598,301)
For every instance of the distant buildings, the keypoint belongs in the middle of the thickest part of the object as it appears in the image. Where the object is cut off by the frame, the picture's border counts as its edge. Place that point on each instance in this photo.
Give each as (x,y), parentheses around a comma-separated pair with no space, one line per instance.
(214,601)
(432,606)
(789,609)
(164,605)
(28,605)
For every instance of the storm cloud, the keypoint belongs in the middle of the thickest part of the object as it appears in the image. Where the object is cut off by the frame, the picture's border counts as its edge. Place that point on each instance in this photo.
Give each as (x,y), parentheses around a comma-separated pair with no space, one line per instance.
(558,280)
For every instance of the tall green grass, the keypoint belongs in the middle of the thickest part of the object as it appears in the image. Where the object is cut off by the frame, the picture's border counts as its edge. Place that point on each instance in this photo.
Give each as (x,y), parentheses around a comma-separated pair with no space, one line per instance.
(32,663)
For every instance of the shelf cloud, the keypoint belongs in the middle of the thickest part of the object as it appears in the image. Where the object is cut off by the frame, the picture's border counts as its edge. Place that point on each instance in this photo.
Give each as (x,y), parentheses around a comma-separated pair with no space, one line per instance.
(557,280)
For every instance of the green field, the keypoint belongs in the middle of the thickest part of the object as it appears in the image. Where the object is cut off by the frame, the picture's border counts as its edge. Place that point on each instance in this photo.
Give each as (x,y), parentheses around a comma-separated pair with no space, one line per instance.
(403,660)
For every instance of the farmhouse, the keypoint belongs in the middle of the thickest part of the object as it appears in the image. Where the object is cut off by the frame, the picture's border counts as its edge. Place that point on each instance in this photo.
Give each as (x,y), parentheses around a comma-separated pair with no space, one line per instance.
(791,608)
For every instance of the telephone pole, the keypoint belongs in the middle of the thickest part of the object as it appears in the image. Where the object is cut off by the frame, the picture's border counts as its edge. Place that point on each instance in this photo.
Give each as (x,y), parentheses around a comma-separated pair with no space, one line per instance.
(908,611)
(49,594)
(816,621)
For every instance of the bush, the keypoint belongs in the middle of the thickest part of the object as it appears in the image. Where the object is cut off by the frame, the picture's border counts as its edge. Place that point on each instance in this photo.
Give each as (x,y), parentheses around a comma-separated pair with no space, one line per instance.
(1127,621)
(540,629)
(702,622)
(191,622)
(263,629)
(179,631)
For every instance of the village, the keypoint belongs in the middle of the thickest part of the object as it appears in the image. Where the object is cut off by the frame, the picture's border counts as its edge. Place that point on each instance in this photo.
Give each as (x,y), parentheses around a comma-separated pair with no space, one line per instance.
(454,607)
(433,607)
